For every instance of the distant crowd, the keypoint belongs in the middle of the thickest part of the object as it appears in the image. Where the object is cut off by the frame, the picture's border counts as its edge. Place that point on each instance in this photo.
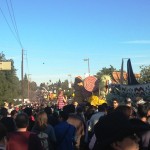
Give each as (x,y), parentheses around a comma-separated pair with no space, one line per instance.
(76,126)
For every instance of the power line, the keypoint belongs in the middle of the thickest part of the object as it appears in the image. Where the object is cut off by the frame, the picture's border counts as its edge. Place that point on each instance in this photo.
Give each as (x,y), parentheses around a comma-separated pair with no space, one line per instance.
(9,26)
(17,37)
(15,22)
(12,16)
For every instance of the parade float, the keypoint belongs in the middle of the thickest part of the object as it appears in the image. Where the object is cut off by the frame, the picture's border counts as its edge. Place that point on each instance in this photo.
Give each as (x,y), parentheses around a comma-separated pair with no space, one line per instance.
(128,85)
(120,85)
(89,90)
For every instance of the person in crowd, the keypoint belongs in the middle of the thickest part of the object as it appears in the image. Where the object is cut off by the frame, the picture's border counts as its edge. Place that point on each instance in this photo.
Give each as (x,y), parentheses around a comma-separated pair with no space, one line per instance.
(143,115)
(8,122)
(114,131)
(65,133)
(61,101)
(52,116)
(75,103)
(126,110)
(102,110)
(143,129)
(77,122)
(3,140)
(41,125)
(143,112)
(80,112)
(129,103)
(28,111)
(115,103)
(22,139)
(10,108)
(14,114)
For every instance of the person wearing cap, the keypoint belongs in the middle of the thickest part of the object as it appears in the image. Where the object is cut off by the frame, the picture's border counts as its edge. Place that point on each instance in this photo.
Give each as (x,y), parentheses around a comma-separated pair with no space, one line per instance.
(115,132)
(128,102)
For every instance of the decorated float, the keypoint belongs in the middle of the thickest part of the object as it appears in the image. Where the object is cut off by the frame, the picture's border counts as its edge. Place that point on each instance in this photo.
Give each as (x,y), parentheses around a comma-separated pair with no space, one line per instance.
(120,85)
(127,85)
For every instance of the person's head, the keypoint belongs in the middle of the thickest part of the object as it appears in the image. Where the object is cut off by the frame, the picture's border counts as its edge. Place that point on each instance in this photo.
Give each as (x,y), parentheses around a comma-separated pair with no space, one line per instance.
(113,131)
(22,120)
(61,92)
(41,120)
(75,103)
(63,116)
(28,111)
(48,110)
(128,102)
(79,110)
(69,109)
(13,114)
(4,112)
(143,111)
(11,105)
(115,103)
(126,110)
(102,108)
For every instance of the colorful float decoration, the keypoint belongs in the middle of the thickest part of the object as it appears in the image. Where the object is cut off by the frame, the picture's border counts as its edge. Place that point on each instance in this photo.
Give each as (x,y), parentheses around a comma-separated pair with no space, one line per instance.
(88,90)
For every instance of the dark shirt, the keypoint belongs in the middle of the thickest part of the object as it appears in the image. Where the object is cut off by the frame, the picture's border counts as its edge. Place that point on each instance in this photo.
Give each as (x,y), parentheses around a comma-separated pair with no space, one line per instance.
(65,134)
(23,141)
(145,140)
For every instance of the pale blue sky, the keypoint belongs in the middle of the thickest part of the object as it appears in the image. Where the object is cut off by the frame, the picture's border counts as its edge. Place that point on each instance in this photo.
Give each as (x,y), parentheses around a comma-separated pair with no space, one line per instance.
(61,33)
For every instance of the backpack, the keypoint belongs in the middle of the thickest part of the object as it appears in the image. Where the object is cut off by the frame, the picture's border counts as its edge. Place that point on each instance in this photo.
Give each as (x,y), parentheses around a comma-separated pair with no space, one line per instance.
(44,140)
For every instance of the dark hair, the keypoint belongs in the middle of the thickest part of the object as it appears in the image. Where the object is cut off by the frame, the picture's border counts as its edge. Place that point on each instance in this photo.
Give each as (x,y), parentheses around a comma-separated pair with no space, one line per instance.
(22,120)
(102,108)
(115,99)
(111,128)
(28,111)
(69,109)
(13,112)
(143,110)
(48,110)
(63,115)
(4,111)
(126,110)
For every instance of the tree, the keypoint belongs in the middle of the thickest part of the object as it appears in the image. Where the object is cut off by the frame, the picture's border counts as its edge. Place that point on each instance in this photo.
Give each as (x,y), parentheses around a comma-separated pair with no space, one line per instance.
(145,74)
(10,86)
(105,71)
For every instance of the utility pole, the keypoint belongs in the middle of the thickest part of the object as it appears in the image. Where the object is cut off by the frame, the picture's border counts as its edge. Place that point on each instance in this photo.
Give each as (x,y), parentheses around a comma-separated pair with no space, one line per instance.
(29,86)
(22,72)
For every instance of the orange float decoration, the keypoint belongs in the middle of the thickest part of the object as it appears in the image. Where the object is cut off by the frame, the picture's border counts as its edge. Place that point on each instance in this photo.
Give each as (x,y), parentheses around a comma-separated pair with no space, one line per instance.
(91,83)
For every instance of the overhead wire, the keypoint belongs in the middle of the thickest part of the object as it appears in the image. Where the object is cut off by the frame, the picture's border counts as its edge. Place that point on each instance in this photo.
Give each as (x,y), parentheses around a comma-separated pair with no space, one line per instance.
(9,25)
(13,20)
(12,17)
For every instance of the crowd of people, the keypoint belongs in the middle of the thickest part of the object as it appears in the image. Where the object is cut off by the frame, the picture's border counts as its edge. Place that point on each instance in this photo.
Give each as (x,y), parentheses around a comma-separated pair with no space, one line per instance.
(76,126)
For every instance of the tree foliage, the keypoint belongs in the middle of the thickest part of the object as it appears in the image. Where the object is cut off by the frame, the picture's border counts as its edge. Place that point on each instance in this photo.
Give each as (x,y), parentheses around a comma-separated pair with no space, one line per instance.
(145,74)
(105,71)
(9,87)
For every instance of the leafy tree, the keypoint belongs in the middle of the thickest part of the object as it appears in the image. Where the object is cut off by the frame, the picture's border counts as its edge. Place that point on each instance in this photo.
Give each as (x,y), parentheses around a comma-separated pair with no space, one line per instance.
(105,71)
(145,74)
(9,87)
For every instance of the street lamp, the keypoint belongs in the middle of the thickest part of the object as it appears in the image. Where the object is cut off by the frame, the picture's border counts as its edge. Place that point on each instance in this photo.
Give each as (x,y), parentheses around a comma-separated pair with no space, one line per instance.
(70,84)
(87,59)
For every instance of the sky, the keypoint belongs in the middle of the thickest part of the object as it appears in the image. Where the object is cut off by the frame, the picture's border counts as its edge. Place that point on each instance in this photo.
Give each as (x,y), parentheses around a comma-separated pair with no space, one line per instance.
(57,35)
